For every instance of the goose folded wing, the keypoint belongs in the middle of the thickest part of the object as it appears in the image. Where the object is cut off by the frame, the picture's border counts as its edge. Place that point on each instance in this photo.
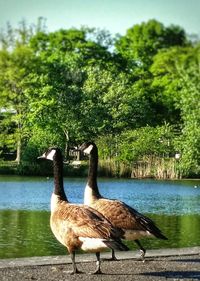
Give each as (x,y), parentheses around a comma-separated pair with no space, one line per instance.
(117,212)
(125,216)
(84,221)
(146,223)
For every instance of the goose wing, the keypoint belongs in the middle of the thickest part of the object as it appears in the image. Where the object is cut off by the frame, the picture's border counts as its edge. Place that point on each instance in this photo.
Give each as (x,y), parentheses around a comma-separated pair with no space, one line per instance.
(123,216)
(117,212)
(146,223)
(84,221)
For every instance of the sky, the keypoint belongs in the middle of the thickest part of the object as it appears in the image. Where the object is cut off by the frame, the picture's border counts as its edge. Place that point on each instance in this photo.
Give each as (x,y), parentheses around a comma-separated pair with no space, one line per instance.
(115,16)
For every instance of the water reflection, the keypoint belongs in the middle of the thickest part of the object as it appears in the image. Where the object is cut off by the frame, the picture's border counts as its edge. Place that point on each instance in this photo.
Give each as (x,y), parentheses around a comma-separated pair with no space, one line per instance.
(27,233)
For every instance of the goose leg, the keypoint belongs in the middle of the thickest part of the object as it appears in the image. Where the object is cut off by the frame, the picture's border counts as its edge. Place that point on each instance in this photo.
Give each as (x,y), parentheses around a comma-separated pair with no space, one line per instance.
(113,258)
(142,250)
(75,270)
(98,269)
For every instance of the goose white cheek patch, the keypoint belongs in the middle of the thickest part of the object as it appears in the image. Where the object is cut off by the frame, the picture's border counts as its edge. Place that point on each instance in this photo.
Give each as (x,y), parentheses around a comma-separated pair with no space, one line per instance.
(51,154)
(88,149)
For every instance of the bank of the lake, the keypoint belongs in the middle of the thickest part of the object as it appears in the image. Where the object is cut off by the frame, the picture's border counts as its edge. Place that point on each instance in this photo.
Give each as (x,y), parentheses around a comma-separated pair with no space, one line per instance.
(155,168)
(181,264)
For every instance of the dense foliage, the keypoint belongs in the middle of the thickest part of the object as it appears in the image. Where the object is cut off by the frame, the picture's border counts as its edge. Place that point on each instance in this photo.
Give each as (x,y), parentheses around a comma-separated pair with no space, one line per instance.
(136,95)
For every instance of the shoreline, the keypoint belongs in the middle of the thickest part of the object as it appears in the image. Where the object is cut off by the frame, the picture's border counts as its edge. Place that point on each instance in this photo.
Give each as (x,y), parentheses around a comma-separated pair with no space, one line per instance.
(84,258)
(159,265)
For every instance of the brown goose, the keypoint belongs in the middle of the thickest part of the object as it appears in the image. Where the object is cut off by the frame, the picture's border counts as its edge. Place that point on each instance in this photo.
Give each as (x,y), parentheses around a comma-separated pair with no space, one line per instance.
(118,213)
(78,226)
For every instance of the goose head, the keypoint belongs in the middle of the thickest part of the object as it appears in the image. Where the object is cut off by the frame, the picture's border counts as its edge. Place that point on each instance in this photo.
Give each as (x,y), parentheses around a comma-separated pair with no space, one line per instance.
(50,154)
(88,147)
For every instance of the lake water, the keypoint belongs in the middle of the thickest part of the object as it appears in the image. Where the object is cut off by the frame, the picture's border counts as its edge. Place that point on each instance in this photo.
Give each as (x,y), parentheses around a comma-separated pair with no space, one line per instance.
(25,204)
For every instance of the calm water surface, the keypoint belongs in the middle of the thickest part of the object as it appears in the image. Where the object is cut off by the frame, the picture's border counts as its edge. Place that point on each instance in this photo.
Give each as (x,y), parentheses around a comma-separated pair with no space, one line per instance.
(25,204)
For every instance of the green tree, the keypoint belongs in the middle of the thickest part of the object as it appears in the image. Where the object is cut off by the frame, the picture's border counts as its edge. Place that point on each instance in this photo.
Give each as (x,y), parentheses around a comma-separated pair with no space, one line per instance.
(166,83)
(17,65)
(16,68)
(139,47)
(143,41)
(189,105)
(176,78)
(146,141)
(76,75)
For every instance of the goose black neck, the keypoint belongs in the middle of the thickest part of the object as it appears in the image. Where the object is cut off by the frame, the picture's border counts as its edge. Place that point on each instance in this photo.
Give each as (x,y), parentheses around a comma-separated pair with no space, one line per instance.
(58,175)
(92,172)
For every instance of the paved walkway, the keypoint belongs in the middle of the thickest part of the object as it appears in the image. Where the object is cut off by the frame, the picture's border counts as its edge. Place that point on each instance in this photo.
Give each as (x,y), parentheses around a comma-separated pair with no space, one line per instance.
(165,264)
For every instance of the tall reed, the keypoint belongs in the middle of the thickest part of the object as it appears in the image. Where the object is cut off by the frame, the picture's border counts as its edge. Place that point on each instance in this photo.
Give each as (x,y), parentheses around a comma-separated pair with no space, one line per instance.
(148,167)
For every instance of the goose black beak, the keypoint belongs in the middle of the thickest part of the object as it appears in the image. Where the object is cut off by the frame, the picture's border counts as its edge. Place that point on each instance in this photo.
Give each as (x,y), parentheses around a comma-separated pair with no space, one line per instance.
(41,157)
(82,146)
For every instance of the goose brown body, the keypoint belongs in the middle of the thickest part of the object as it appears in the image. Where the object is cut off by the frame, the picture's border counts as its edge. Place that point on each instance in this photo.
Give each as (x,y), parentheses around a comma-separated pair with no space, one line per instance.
(134,224)
(79,226)
(74,225)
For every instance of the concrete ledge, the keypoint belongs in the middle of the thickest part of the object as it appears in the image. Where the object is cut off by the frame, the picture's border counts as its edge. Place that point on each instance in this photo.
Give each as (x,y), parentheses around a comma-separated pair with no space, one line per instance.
(51,260)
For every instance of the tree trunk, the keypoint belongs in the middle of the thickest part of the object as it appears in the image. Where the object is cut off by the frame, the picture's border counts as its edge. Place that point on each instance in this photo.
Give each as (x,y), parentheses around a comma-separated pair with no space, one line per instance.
(66,144)
(18,156)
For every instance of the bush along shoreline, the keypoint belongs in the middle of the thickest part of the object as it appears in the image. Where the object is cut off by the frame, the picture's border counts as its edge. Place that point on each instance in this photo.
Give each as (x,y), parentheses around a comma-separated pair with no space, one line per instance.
(161,169)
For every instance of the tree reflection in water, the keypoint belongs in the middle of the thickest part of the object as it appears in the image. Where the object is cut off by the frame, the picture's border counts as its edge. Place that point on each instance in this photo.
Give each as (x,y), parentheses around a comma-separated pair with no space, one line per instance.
(26,233)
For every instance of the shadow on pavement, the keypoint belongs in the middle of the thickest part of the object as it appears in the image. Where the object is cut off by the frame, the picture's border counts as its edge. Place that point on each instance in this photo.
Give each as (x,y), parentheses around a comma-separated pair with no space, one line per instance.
(174,274)
(185,260)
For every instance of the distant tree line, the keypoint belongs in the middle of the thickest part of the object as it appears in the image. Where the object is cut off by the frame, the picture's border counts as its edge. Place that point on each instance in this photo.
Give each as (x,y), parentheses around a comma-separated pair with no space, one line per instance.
(137,96)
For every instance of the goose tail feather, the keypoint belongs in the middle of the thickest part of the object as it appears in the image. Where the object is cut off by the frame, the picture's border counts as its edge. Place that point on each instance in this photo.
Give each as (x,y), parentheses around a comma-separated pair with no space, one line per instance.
(116,245)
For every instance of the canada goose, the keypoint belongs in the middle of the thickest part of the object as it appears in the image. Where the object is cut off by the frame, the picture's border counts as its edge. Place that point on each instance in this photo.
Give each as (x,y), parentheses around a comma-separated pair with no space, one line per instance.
(78,226)
(117,212)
